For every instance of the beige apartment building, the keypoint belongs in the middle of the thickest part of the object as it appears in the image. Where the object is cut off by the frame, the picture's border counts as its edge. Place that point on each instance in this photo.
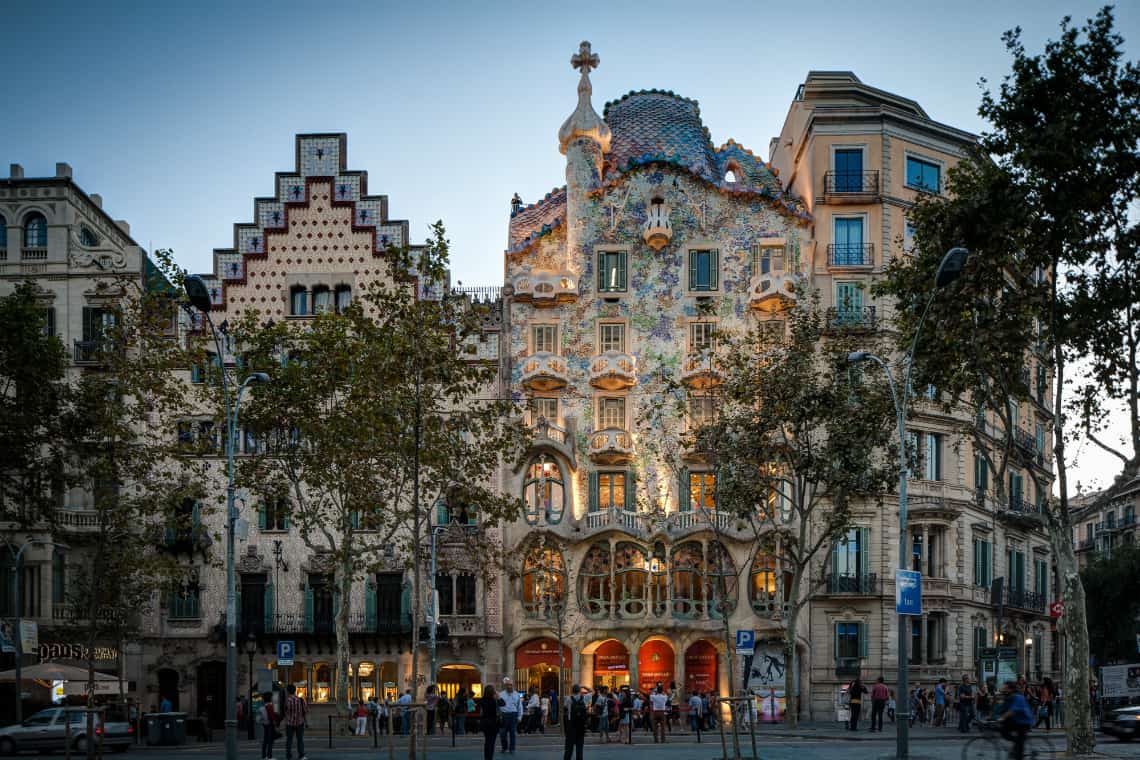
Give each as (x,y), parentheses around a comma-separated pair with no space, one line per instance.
(1098,529)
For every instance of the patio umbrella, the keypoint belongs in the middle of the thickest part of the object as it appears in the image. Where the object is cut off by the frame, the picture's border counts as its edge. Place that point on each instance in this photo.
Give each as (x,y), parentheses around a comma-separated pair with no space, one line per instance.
(54,671)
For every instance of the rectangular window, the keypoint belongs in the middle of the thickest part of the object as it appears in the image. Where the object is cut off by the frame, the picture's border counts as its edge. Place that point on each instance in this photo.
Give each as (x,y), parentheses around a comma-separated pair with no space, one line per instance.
(702,490)
(704,269)
(848,301)
(322,301)
(464,594)
(983,563)
(767,259)
(97,322)
(849,641)
(544,338)
(848,248)
(701,336)
(612,270)
(923,175)
(1015,564)
(611,337)
(49,321)
(1016,489)
(343,298)
(849,557)
(544,408)
(981,641)
(910,232)
(274,513)
(611,413)
(299,302)
(185,602)
(981,473)
(1014,413)
(848,170)
(702,410)
(446,594)
(611,490)
(1041,577)
(932,456)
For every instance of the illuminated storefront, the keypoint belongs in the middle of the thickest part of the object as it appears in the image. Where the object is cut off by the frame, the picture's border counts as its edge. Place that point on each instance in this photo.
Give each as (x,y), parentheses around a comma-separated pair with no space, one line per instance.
(537,666)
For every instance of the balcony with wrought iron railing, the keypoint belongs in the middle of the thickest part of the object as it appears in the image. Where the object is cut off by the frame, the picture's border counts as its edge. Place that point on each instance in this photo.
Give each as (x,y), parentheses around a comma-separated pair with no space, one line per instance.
(866,584)
(611,446)
(699,370)
(1023,599)
(852,187)
(851,318)
(850,255)
(90,351)
(544,371)
(613,371)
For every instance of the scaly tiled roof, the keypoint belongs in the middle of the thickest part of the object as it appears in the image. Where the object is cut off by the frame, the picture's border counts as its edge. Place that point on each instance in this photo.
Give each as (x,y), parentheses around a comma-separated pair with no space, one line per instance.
(653,123)
(532,222)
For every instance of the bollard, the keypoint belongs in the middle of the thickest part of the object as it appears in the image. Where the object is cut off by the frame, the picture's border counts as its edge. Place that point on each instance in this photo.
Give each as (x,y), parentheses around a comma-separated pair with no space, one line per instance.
(330,731)
(752,731)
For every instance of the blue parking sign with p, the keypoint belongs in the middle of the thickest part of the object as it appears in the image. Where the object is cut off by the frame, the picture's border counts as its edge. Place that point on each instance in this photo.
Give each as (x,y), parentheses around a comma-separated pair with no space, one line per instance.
(745,642)
(285,652)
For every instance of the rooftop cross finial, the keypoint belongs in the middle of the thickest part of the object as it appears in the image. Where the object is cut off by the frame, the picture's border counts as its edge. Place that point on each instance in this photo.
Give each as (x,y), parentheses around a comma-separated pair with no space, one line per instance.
(584,60)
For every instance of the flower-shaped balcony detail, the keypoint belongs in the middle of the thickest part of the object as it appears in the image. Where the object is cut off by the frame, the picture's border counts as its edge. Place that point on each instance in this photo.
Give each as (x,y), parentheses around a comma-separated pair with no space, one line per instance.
(611,446)
(545,288)
(544,371)
(772,291)
(613,370)
(699,370)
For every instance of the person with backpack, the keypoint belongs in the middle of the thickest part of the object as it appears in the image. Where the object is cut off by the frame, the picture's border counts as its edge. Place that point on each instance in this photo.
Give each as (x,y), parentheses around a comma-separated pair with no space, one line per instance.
(855,694)
(577,716)
(489,715)
(602,711)
(267,719)
(296,717)
(459,713)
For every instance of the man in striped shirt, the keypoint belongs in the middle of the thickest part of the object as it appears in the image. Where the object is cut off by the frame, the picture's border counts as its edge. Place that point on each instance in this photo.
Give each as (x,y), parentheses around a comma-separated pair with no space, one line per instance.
(296,716)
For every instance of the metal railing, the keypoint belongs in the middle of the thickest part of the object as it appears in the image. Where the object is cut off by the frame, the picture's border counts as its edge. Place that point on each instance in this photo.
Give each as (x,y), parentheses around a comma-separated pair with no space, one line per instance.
(35,253)
(851,318)
(851,583)
(850,254)
(1023,599)
(838,183)
(89,351)
(847,667)
(480,293)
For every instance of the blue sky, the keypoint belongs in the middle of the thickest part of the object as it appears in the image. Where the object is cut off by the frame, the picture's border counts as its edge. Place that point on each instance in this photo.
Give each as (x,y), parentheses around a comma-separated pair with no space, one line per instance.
(178,113)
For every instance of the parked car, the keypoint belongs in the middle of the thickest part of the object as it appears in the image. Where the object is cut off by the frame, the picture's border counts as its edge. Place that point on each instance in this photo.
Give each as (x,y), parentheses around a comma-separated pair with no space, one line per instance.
(1123,723)
(47,730)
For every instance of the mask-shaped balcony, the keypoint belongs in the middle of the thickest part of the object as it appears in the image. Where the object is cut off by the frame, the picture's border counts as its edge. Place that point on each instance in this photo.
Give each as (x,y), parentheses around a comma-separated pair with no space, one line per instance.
(613,370)
(772,291)
(699,370)
(545,288)
(544,372)
(611,446)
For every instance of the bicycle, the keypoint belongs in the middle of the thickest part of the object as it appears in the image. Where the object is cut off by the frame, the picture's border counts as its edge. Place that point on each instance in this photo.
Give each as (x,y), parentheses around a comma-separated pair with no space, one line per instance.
(991,745)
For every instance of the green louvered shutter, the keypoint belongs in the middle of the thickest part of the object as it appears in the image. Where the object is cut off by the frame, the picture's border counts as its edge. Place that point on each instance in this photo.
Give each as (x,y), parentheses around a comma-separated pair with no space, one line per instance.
(406,606)
(631,490)
(593,492)
(308,608)
(693,256)
(863,640)
(835,637)
(261,516)
(441,516)
(864,546)
(714,269)
(195,521)
(270,612)
(684,498)
(370,605)
(601,272)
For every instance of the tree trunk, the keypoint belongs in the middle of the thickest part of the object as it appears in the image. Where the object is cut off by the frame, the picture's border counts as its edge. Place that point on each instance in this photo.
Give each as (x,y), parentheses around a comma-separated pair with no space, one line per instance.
(343,580)
(791,698)
(415,635)
(730,653)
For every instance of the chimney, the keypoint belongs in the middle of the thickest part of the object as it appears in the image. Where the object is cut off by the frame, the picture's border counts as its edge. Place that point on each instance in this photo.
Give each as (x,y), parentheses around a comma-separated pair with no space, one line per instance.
(63,169)
(96,199)
(15,171)
(122,225)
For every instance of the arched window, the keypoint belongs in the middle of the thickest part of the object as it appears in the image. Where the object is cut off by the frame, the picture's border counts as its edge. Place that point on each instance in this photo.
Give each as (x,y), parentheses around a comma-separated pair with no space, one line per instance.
(322,684)
(543,491)
(543,582)
(688,581)
(594,582)
(763,587)
(298,301)
(343,298)
(322,299)
(3,232)
(659,580)
(631,570)
(721,578)
(366,673)
(87,237)
(35,230)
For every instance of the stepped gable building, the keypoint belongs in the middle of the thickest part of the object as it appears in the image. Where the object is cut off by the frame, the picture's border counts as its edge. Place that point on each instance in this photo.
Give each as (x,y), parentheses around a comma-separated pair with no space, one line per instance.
(618,279)
(318,240)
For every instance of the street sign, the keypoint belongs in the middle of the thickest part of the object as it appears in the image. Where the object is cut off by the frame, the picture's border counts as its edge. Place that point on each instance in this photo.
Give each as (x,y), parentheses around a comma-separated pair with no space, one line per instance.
(29,636)
(285,651)
(908,592)
(745,642)
(1056,609)
(7,646)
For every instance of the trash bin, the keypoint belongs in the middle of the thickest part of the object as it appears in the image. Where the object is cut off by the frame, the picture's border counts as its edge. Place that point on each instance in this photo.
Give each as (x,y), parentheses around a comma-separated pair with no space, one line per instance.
(173,728)
(152,729)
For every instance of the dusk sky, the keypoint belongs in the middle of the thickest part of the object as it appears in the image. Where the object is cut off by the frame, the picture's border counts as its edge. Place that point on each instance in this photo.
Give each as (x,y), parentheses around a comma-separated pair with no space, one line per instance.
(179,113)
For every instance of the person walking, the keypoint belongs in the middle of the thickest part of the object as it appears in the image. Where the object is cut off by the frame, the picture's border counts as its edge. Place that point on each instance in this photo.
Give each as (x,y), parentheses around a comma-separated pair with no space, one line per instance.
(459,711)
(879,697)
(940,702)
(659,708)
(489,713)
(965,704)
(1016,719)
(403,705)
(361,715)
(373,715)
(602,711)
(431,701)
(267,718)
(534,713)
(696,713)
(1045,708)
(576,716)
(512,706)
(855,694)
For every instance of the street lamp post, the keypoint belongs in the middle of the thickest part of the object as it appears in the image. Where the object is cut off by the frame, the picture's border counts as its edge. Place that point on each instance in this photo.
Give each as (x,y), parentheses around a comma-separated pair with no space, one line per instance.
(17,597)
(250,651)
(199,296)
(949,270)
(435,531)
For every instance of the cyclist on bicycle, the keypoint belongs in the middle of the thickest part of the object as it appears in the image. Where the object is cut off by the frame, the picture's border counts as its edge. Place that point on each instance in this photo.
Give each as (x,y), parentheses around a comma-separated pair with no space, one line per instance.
(1016,720)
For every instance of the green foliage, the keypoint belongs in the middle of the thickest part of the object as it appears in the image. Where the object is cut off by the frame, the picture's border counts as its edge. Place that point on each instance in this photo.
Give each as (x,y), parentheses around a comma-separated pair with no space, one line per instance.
(1113,604)
(32,399)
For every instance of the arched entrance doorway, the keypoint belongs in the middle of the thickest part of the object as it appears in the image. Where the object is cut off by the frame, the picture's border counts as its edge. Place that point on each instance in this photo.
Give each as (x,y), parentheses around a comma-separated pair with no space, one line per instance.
(458,676)
(611,664)
(168,687)
(211,692)
(701,665)
(656,663)
(536,665)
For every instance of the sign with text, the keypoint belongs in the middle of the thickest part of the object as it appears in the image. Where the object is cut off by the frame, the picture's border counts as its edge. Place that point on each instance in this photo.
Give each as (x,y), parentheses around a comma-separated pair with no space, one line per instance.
(908,592)
(285,652)
(1056,609)
(745,642)
(29,636)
